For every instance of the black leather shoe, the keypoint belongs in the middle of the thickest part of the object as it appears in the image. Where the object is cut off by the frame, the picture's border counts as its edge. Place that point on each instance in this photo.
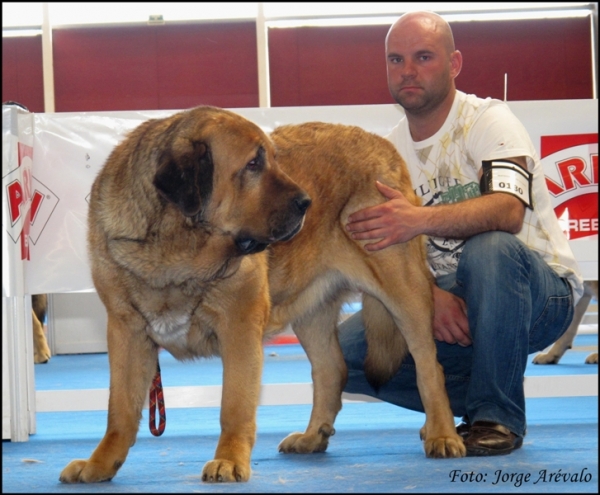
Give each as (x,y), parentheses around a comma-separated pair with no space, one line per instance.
(464,427)
(487,438)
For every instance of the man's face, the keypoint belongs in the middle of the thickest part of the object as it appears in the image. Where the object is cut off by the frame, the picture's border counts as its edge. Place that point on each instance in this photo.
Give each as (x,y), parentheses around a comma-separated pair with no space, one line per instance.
(419,66)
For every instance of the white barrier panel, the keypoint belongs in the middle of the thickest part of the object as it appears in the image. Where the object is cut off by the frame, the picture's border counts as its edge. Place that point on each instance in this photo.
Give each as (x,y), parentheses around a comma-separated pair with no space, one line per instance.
(278,394)
(70,148)
(17,160)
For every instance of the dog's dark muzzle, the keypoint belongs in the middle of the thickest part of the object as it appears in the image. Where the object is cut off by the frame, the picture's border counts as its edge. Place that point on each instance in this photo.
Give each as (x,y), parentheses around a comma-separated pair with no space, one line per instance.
(247,244)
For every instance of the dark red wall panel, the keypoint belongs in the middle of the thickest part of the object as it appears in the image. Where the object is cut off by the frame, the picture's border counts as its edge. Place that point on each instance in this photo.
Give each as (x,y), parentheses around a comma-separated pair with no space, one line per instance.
(328,66)
(548,59)
(22,75)
(214,64)
(155,67)
(544,59)
(180,66)
(105,69)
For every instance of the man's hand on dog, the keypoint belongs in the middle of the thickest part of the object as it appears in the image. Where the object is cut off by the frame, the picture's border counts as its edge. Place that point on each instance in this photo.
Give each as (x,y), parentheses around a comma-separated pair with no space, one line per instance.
(394,221)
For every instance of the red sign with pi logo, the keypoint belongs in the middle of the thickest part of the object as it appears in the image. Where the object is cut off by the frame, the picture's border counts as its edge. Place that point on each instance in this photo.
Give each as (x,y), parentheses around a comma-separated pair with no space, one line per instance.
(29,202)
(570,163)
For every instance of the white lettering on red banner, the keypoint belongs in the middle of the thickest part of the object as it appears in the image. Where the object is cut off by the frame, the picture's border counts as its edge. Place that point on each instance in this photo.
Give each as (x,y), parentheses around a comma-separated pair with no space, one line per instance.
(570,163)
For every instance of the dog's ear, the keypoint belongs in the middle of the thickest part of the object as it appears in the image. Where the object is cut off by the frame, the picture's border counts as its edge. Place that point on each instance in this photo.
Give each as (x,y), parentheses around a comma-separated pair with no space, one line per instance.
(186,181)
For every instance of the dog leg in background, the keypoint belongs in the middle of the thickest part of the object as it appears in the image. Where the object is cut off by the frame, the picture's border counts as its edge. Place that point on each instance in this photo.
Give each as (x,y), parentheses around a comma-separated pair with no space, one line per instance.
(317,332)
(41,351)
(556,352)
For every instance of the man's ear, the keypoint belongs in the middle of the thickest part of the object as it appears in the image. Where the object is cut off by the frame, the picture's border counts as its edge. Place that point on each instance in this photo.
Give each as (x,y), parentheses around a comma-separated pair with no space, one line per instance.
(456,61)
(186,181)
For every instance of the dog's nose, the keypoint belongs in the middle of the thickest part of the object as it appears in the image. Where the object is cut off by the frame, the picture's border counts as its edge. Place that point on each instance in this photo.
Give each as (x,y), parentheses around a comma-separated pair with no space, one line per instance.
(302,203)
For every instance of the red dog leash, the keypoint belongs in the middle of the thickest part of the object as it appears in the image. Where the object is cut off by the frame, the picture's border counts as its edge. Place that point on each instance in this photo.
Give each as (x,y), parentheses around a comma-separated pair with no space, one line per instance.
(157,401)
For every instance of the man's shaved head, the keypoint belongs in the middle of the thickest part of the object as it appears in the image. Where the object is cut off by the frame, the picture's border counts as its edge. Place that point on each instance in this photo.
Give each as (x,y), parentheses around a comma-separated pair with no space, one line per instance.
(428,21)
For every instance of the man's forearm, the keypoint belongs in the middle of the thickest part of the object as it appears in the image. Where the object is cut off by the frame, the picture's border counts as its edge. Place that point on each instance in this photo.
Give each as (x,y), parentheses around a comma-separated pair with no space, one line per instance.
(462,220)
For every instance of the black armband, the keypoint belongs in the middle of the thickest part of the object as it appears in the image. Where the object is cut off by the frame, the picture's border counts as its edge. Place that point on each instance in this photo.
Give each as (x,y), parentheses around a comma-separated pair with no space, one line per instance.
(508,177)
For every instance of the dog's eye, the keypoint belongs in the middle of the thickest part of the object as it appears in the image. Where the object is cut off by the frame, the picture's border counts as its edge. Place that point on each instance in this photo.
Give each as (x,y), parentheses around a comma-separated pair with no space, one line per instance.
(258,162)
(253,165)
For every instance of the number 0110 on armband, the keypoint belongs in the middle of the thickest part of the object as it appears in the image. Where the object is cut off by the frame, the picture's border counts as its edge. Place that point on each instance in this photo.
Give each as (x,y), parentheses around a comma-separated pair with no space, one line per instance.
(507,177)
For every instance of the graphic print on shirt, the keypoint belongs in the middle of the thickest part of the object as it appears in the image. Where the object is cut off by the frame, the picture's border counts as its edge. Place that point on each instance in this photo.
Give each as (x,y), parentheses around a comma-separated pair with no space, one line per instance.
(443,254)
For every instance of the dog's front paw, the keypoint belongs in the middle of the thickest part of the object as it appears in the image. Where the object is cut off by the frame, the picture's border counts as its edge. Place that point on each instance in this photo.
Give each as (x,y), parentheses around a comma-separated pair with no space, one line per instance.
(223,471)
(306,443)
(443,446)
(82,471)
(547,358)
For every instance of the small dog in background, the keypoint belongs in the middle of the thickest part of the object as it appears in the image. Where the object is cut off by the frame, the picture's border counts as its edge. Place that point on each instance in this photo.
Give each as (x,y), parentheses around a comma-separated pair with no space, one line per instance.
(41,351)
(561,346)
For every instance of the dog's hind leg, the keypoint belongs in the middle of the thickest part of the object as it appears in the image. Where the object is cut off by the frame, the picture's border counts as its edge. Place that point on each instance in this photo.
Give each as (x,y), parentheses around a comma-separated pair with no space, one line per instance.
(132,359)
(565,342)
(406,295)
(317,332)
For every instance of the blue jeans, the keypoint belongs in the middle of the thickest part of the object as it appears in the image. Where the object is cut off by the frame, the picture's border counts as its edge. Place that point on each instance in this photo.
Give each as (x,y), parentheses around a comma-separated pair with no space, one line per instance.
(516,305)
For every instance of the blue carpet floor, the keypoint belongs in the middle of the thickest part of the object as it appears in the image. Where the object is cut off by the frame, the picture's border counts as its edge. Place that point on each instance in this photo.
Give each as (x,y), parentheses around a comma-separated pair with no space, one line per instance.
(376,448)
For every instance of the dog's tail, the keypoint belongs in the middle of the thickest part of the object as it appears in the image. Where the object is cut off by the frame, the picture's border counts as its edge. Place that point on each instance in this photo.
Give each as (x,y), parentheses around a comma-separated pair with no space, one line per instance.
(386,346)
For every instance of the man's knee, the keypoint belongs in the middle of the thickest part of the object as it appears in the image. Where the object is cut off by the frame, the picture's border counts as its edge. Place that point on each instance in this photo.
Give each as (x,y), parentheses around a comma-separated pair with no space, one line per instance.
(494,242)
(490,252)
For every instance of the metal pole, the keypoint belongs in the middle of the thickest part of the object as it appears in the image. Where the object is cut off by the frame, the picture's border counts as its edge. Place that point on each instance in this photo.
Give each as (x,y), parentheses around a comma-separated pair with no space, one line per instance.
(47,61)
(262,45)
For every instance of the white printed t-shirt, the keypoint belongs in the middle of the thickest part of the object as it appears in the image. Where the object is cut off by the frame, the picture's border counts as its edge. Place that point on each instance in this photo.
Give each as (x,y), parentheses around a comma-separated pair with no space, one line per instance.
(445,168)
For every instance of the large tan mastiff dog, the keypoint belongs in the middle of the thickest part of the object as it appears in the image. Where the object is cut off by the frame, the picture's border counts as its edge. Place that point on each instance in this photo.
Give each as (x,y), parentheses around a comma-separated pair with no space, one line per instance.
(179,221)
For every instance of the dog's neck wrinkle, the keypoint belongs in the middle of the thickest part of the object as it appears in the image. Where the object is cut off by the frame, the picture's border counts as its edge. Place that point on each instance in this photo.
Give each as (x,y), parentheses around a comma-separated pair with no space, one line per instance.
(222,273)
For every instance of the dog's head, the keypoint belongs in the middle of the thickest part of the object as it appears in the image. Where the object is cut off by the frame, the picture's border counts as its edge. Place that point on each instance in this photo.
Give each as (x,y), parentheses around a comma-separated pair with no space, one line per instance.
(219,168)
